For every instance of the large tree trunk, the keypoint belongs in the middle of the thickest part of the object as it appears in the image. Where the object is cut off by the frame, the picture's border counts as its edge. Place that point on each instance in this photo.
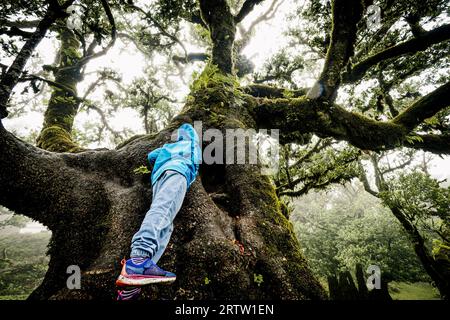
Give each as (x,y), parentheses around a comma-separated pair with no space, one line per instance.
(95,204)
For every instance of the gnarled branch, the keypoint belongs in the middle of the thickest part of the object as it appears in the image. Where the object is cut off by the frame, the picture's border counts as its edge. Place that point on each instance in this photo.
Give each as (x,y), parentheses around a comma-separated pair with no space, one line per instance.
(298,116)
(418,43)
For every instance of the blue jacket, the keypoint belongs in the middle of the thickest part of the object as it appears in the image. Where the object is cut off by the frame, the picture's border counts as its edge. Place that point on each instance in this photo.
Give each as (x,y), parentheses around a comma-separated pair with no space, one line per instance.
(183,156)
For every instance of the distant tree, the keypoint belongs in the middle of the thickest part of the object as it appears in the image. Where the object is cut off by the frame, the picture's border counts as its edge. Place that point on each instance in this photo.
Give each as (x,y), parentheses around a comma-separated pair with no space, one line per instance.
(421,205)
(344,227)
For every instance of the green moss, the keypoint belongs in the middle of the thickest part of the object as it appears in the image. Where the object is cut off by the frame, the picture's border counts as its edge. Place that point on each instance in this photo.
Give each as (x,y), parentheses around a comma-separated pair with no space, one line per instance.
(212,77)
(363,132)
(217,99)
(57,139)
(278,234)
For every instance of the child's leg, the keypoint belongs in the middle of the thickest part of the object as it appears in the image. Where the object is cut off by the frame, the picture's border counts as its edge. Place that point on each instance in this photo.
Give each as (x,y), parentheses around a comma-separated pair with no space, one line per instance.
(152,238)
(164,240)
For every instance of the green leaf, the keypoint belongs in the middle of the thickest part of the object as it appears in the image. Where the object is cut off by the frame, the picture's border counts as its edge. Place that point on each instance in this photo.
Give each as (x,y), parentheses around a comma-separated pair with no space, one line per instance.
(141,170)
(258,279)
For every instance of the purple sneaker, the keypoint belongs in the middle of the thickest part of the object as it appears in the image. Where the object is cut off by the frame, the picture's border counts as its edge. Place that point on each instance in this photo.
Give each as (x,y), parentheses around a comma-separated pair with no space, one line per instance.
(142,271)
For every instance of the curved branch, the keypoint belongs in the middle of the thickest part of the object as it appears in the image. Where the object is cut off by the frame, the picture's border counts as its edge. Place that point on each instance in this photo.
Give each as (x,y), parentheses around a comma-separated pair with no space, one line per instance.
(11,77)
(424,108)
(365,181)
(29,180)
(160,27)
(318,146)
(52,83)
(246,8)
(295,117)
(419,43)
(315,184)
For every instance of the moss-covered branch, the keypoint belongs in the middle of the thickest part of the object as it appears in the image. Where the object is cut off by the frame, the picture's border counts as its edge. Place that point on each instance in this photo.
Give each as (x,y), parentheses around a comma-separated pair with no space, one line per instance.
(266,91)
(439,144)
(298,116)
(424,108)
(345,16)
(34,182)
(418,43)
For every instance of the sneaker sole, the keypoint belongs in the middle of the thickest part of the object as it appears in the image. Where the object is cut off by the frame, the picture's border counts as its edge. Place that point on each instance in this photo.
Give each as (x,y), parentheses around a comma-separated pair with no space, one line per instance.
(124,281)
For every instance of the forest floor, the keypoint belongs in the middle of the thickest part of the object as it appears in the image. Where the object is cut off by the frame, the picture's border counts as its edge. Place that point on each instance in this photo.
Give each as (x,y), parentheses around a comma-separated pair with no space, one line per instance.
(413,291)
(25,264)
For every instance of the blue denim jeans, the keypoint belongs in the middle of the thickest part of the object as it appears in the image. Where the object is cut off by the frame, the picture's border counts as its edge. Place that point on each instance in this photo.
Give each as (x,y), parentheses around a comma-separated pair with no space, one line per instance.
(152,238)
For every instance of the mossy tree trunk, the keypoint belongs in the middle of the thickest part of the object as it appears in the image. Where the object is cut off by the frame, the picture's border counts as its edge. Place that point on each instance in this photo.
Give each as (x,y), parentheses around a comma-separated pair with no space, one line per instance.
(63,104)
(230,239)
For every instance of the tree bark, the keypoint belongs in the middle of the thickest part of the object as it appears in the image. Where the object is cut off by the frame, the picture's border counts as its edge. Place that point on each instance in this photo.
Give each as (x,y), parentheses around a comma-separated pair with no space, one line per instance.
(222,27)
